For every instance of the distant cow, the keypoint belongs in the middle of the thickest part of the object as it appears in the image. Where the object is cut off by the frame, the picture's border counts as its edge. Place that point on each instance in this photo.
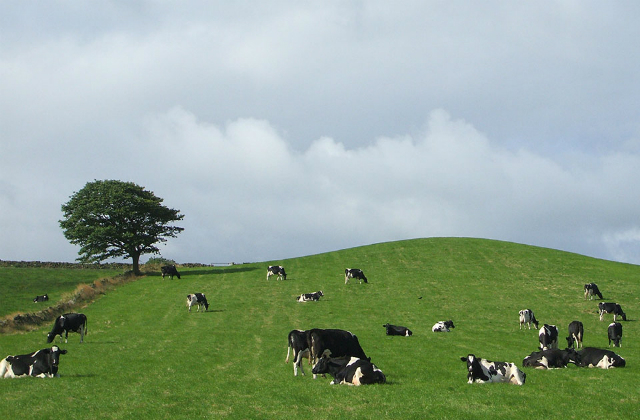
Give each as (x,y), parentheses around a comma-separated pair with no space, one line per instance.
(42,363)
(170,270)
(350,371)
(483,371)
(601,358)
(276,270)
(354,273)
(306,297)
(197,299)
(443,326)
(397,330)
(299,346)
(334,343)
(615,334)
(576,334)
(548,337)
(41,298)
(68,322)
(527,317)
(611,308)
(552,358)
(591,289)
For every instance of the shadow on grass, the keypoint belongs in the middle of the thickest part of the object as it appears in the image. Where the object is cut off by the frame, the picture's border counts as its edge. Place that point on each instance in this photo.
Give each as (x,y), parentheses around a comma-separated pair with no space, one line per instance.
(200,272)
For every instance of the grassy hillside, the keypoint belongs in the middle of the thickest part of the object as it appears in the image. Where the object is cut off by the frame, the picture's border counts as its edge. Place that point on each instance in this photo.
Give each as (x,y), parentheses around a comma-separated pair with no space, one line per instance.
(146,357)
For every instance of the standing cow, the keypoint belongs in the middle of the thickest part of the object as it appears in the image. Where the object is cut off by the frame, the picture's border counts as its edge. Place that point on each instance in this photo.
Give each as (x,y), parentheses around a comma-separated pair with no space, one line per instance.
(527,317)
(354,273)
(611,308)
(68,322)
(42,364)
(197,299)
(548,337)
(615,334)
(276,270)
(299,346)
(170,270)
(591,289)
(576,334)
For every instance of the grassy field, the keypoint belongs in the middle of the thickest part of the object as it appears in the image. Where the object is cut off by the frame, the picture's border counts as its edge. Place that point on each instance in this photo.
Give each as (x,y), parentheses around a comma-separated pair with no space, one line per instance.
(145,356)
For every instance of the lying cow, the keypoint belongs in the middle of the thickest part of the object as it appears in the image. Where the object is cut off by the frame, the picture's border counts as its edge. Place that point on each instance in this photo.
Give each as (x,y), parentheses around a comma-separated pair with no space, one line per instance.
(443,326)
(552,358)
(397,330)
(350,371)
(197,299)
(601,358)
(41,298)
(591,289)
(483,371)
(548,337)
(299,347)
(68,322)
(615,334)
(170,270)
(334,343)
(527,317)
(354,273)
(576,333)
(276,270)
(42,364)
(306,297)
(611,308)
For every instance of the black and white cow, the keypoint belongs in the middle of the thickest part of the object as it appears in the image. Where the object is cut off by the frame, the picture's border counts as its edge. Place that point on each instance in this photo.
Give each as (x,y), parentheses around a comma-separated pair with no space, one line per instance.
(42,363)
(548,337)
(551,359)
(611,308)
(170,270)
(299,347)
(483,371)
(527,317)
(397,330)
(334,343)
(306,297)
(615,334)
(68,322)
(41,298)
(443,326)
(601,358)
(591,289)
(576,334)
(276,270)
(349,370)
(197,299)
(354,273)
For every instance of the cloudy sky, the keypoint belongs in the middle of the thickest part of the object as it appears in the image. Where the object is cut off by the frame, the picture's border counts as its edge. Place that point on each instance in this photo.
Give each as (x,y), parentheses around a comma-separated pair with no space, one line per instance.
(287,128)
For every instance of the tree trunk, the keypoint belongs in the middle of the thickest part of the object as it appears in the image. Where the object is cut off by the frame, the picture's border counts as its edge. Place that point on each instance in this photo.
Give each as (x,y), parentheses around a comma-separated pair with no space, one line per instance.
(135,256)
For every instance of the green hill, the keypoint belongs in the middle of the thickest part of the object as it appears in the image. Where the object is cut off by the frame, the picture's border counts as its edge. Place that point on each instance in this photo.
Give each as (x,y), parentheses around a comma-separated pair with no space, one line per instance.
(145,356)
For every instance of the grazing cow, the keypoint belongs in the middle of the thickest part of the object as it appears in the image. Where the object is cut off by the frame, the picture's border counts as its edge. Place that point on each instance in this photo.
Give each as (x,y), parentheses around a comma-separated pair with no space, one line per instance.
(41,298)
(576,333)
(527,317)
(354,273)
(68,322)
(482,371)
(197,299)
(276,270)
(591,289)
(42,363)
(611,308)
(299,346)
(349,370)
(443,326)
(306,297)
(548,337)
(334,343)
(552,358)
(615,334)
(604,359)
(170,270)
(397,330)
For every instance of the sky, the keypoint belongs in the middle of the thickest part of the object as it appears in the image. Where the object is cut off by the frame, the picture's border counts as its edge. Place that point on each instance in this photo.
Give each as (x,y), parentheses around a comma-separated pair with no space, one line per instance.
(284,128)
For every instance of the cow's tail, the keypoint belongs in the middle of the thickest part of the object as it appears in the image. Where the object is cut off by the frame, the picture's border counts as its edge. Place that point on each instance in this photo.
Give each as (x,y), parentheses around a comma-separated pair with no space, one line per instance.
(289,347)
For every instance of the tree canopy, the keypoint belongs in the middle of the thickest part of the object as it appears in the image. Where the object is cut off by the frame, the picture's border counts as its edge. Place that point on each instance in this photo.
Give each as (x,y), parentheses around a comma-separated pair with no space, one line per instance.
(114,218)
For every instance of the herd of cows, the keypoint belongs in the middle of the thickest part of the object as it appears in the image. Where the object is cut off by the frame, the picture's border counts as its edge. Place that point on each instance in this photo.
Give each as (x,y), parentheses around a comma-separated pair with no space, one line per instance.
(338,352)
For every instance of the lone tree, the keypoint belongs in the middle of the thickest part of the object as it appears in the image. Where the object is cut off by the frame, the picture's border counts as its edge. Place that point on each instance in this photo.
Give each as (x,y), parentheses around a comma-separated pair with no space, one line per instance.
(114,219)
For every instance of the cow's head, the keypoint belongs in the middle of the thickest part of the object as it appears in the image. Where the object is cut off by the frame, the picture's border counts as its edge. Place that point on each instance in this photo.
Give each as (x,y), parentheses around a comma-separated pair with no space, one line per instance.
(322,366)
(516,376)
(572,356)
(449,324)
(54,358)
